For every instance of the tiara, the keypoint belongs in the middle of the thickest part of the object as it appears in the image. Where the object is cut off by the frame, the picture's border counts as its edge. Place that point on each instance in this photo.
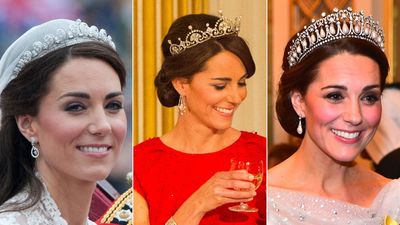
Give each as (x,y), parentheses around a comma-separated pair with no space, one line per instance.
(76,32)
(223,27)
(338,25)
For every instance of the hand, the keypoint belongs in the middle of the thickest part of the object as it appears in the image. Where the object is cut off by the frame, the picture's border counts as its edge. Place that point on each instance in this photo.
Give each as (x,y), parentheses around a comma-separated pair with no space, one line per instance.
(222,188)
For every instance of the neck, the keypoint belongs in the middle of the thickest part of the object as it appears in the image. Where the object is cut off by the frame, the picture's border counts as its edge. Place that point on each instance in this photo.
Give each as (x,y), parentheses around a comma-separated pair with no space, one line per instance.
(313,171)
(72,197)
(199,138)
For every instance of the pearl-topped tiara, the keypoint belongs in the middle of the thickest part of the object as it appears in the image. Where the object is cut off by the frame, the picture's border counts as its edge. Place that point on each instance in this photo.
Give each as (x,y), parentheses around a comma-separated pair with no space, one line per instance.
(223,27)
(338,25)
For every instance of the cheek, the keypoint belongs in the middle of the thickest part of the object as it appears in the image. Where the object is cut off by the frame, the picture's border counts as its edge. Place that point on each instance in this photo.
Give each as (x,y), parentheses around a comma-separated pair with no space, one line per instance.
(320,112)
(243,93)
(65,130)
(372,115)
(119,126)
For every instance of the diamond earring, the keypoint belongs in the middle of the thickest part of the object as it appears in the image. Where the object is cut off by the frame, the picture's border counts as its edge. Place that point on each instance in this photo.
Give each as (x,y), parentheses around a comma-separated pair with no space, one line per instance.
(181,105)
(34,149)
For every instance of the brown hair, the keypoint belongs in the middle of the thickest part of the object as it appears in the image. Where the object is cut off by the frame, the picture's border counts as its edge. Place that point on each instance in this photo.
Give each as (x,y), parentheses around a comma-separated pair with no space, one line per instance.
(192,60)
(22,96)
(301,75)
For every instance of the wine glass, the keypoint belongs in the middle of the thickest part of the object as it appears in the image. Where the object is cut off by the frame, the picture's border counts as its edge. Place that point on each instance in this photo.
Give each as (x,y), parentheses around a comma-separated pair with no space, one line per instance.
(256,168)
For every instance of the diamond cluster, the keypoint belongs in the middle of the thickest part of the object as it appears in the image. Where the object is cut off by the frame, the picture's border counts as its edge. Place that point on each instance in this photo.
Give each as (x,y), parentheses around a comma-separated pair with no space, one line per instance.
(77,32)
(223,27)
(338,25)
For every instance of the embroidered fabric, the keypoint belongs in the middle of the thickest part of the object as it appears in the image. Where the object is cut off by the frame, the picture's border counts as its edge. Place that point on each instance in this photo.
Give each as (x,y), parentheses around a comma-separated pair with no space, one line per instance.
(290,207)
(45,212)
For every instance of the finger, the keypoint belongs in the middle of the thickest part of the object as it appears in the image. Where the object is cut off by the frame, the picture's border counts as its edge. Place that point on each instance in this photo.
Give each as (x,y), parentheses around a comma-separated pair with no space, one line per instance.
(238,185)
(237,175)
(235,194)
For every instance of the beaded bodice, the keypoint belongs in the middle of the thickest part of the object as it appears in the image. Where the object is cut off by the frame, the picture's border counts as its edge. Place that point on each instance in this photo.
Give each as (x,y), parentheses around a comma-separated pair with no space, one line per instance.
(291,207)
(44,212)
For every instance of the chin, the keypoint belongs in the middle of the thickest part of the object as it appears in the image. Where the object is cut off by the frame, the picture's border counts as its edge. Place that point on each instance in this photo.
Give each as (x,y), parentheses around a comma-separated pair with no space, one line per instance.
(345,158)
(97,174)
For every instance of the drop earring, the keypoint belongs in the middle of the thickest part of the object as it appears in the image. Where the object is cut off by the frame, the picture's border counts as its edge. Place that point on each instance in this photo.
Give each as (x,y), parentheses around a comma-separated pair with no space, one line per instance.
(299,127)
(181,105)
(34,149)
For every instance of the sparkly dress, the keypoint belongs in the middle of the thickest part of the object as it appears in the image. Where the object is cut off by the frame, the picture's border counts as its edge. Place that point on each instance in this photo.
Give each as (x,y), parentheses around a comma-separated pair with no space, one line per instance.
(166,178)
(44,212)
(291,207)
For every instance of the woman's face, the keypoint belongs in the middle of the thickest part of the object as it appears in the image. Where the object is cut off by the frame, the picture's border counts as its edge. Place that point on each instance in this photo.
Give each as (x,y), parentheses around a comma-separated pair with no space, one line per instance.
(342,106)
(81,124)
(213,95)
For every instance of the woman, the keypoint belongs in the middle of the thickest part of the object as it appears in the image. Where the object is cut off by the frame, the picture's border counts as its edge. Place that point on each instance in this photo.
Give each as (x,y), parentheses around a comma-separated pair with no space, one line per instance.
(62,126)
(329,95)
(183,176)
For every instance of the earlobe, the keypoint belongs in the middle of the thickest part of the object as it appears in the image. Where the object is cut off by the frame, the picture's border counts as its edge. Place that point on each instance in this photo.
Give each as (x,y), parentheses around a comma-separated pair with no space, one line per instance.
(24,123)
(180,85)
(297,103)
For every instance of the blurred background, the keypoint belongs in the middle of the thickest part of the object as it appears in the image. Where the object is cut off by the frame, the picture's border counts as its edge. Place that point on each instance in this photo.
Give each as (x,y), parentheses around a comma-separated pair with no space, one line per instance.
(17,16)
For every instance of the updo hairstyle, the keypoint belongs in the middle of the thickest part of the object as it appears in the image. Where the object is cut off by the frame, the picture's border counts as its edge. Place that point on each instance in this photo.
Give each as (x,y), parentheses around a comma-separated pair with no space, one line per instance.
(193,60)
(302,74)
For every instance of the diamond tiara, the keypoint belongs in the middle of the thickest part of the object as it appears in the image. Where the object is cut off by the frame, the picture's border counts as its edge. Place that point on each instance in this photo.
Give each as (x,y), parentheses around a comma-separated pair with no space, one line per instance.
(223,27)
(338,25)
(76,32)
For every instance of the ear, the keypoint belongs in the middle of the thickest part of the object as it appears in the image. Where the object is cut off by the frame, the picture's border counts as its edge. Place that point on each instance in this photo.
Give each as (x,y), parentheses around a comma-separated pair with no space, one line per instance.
(181,85)
(298,103)
(25,126)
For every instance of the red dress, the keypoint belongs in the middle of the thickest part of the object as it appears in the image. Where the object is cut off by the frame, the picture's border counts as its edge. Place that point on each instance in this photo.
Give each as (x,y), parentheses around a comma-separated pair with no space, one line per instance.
(166,178)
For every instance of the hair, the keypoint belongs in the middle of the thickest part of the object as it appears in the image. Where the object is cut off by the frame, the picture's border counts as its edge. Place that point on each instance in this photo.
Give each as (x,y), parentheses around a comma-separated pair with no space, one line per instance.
(22,96)
(301,75)
(193,60)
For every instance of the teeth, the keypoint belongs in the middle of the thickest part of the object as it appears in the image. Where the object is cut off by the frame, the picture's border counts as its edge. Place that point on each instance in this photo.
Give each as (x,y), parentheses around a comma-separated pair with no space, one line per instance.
(346,134)
(92,149)
(223,110)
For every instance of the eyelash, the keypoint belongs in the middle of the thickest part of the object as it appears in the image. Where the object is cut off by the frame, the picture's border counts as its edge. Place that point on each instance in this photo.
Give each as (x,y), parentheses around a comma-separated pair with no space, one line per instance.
(369,98)
(114,105)
(220,87)
(334,97)
(76,107)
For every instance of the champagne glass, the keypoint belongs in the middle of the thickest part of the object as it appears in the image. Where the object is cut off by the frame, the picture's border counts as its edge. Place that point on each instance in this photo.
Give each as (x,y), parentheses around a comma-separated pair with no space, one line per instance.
(256,169)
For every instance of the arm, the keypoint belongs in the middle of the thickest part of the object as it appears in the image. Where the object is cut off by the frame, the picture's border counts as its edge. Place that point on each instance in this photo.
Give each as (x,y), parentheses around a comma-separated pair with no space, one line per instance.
(141,210)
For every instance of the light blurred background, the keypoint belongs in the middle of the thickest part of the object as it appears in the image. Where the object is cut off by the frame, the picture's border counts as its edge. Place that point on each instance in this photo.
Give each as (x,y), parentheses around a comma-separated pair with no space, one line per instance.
(115,16)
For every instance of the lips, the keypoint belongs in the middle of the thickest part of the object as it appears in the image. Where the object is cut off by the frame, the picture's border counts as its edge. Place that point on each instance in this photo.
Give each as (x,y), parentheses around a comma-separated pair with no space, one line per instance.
(94,149)
(345,134)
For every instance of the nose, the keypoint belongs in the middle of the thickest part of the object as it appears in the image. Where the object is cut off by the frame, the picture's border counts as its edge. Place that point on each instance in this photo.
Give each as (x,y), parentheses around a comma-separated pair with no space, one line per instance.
(236,95)
(100,124)
(353,113)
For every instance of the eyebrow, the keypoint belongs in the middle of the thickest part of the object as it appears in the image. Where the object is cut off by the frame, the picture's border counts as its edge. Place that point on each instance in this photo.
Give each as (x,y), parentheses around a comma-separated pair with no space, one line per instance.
(366,88)
(87,96)
(228,78)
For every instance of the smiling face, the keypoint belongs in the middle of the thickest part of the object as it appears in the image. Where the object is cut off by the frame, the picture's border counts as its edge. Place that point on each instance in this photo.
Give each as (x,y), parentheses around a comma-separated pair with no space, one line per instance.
(81,124)
(342,106)
(213,95)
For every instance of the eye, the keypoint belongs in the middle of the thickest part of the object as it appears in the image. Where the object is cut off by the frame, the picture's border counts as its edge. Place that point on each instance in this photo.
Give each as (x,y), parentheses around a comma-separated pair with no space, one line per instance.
(242,83)
(75,107)
(371,98)
(334,97)
(114,105)
(219,87)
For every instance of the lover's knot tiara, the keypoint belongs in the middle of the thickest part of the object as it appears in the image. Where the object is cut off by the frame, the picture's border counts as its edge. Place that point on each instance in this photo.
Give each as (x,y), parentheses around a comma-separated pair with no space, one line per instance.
(338,25)
(223,27)
(74,32)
